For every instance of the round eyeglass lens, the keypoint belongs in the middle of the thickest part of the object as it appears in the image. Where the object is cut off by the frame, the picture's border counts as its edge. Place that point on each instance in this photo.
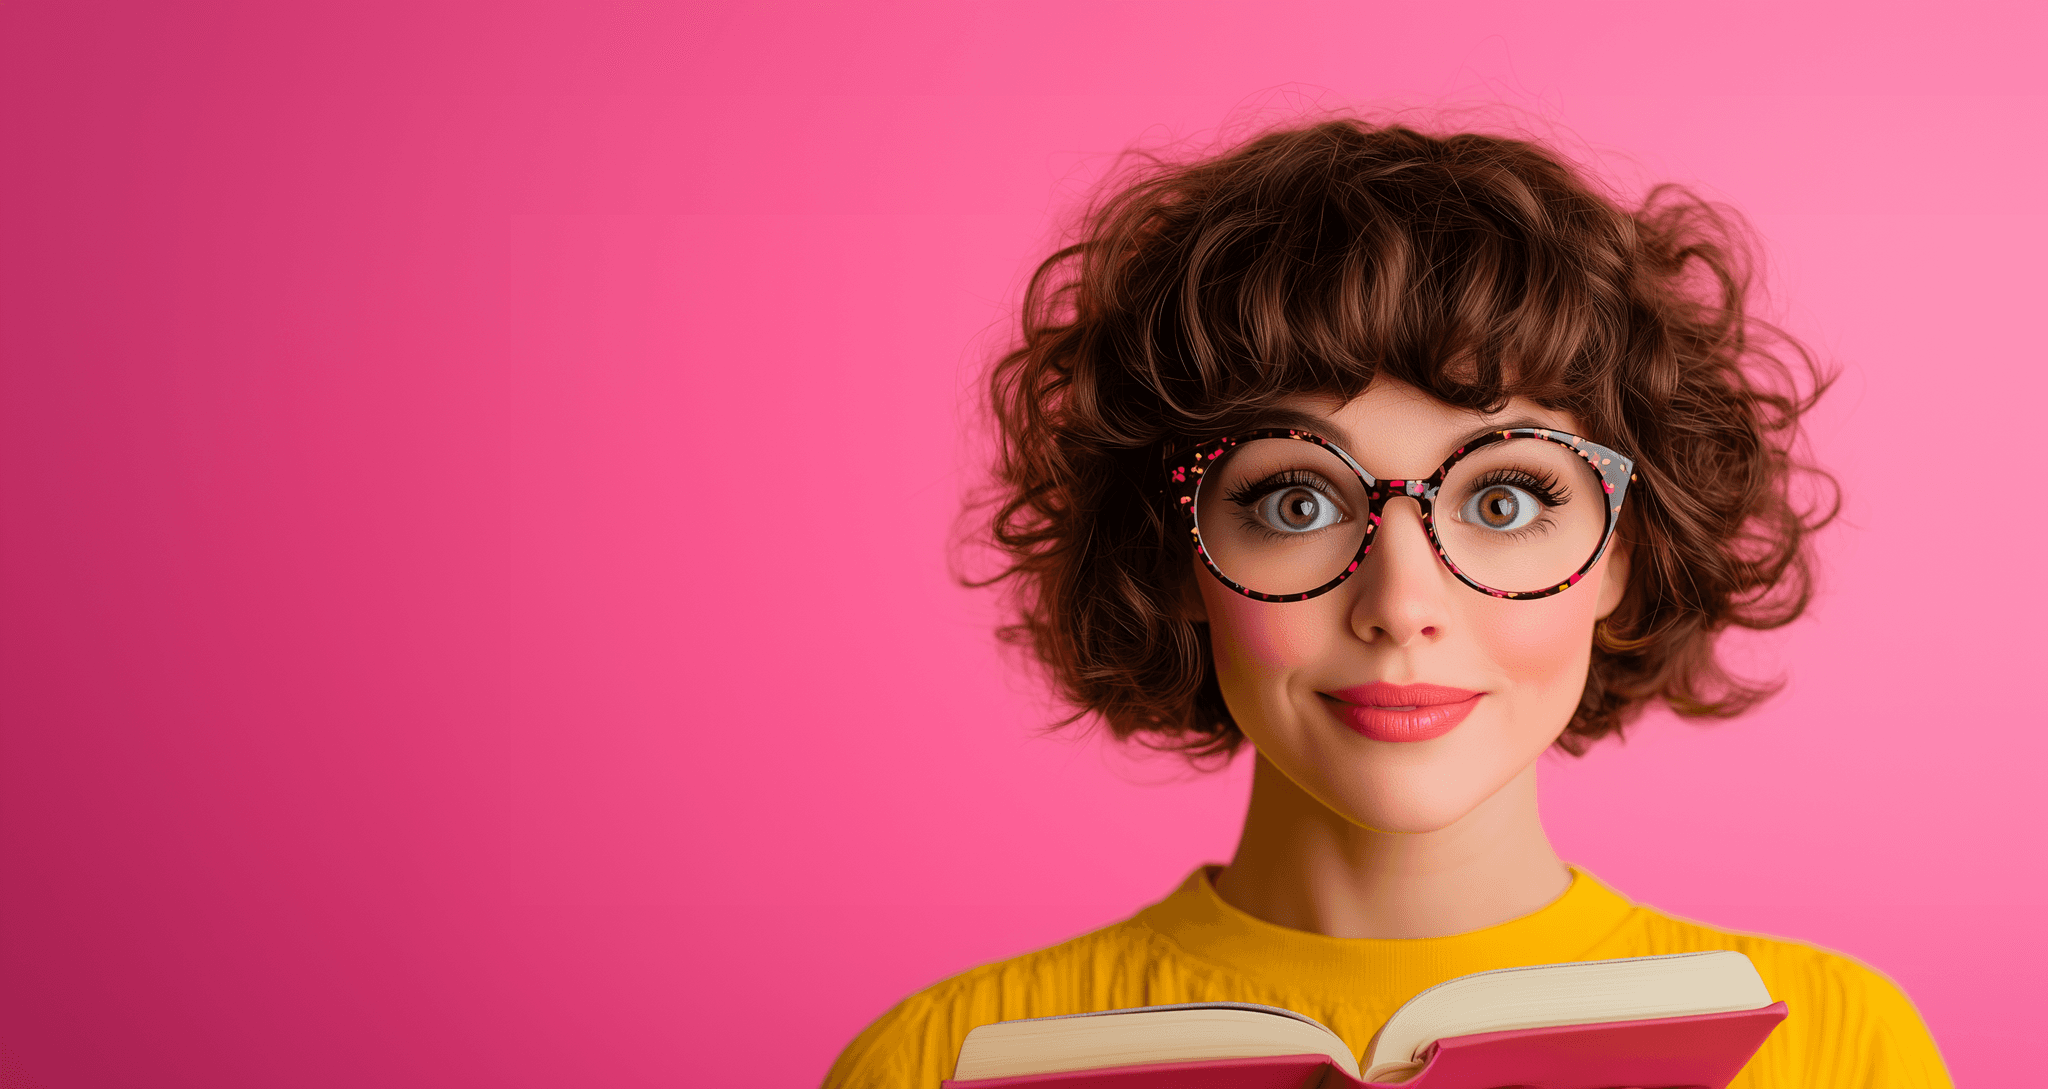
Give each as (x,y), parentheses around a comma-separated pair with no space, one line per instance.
(1521,515)
(1280,516)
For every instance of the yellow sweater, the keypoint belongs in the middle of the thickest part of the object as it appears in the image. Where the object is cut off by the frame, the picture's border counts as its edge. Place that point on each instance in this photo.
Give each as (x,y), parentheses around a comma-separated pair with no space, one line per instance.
(1848,1025)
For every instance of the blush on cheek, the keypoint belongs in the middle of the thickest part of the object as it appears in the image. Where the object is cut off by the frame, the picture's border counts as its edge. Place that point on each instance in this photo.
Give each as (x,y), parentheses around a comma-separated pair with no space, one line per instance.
(1542,644)
(1266,639)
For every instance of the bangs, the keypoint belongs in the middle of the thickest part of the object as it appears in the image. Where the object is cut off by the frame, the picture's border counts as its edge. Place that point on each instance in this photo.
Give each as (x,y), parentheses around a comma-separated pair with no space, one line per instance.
(1472,270)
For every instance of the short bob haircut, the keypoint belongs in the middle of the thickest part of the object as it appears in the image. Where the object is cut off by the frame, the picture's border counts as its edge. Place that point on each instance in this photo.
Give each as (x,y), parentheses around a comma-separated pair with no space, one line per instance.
(1311,260)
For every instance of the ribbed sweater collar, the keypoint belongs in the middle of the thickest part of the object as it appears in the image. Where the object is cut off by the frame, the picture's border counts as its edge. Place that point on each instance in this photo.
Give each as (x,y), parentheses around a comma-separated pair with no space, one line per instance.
(1206,927)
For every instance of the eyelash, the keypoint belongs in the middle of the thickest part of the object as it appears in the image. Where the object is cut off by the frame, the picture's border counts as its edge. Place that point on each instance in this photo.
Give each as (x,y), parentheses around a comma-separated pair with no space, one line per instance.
(1244,495)
(1544,487)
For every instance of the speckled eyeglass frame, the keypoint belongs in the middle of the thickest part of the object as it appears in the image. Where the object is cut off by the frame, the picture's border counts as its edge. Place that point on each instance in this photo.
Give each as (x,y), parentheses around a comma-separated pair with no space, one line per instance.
(1184,478)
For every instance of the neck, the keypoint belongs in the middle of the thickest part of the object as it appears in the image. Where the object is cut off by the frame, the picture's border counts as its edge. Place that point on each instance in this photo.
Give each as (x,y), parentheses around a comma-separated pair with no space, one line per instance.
(1301,865)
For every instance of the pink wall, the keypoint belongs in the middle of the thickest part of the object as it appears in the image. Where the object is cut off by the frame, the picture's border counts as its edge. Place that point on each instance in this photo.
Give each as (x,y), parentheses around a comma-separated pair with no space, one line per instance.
(475,478)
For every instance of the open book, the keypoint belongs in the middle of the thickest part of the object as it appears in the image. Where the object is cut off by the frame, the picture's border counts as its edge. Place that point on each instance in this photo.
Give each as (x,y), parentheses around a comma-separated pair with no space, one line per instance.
(1689,1019)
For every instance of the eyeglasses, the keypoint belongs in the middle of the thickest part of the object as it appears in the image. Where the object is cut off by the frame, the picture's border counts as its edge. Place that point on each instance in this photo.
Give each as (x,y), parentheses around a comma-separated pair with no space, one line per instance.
(1287,515)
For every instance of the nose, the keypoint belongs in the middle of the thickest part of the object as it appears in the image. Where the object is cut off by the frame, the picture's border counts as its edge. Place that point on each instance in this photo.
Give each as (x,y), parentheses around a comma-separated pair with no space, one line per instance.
(1399,597)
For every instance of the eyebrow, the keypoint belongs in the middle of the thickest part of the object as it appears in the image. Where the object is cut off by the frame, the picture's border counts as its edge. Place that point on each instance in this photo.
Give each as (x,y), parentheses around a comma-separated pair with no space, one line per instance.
(1298,420)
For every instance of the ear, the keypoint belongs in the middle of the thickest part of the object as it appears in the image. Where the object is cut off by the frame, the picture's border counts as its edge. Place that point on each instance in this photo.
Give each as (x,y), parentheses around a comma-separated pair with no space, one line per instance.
(1614,580)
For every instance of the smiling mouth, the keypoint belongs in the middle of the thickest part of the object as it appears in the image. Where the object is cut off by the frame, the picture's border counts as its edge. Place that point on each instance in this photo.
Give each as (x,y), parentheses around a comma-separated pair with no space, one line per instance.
(1400,697)
(1403,722)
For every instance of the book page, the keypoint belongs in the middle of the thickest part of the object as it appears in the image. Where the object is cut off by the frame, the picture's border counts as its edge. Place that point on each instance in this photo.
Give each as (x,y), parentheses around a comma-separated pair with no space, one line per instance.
(1582,992)
(1190,1033)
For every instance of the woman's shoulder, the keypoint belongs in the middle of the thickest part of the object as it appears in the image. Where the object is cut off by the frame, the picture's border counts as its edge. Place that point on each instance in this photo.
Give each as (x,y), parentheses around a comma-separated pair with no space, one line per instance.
(916,1042)
(1790,968)
(1848,1023)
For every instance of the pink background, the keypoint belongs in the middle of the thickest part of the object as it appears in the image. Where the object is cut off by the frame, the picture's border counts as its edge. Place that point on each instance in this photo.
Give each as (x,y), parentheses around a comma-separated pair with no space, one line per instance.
(475,483)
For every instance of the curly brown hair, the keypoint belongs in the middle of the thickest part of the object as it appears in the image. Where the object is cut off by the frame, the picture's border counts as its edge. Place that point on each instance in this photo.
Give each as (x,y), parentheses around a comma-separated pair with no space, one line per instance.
(1311,260)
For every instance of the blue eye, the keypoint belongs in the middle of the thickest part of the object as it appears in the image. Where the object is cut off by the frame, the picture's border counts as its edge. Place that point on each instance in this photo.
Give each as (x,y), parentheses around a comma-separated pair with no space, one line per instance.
(1501,507)
(1297,510)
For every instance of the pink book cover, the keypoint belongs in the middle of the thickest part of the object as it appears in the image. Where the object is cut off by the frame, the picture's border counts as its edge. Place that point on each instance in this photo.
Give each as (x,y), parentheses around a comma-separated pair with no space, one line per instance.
(1704,1051)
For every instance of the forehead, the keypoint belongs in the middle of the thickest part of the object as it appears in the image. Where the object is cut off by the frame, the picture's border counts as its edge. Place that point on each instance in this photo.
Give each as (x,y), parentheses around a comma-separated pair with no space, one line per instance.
(1394,422)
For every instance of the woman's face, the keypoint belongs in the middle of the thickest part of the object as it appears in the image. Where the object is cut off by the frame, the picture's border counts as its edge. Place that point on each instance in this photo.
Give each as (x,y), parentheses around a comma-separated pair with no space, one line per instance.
(1404,619)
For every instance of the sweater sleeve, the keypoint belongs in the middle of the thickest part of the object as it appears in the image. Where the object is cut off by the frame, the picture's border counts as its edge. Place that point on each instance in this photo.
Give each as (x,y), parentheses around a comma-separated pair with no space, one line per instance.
(916,1043)
(910,1047)
(1849,1027)
(1878,1039)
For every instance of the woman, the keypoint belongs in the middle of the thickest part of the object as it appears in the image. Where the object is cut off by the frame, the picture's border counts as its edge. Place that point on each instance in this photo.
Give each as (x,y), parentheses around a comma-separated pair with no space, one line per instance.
(1403,459)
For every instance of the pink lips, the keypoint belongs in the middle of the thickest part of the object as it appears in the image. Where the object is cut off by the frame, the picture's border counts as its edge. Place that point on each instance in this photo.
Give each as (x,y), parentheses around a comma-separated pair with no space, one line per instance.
(1403,712)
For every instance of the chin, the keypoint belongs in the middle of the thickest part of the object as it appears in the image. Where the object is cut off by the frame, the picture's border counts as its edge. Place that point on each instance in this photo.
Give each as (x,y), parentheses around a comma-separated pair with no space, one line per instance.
(1408,807)
(1410,788)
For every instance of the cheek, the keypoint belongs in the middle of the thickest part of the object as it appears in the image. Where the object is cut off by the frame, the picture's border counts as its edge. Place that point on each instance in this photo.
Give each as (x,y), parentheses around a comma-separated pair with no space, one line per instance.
(1256,639)
(1544,643)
